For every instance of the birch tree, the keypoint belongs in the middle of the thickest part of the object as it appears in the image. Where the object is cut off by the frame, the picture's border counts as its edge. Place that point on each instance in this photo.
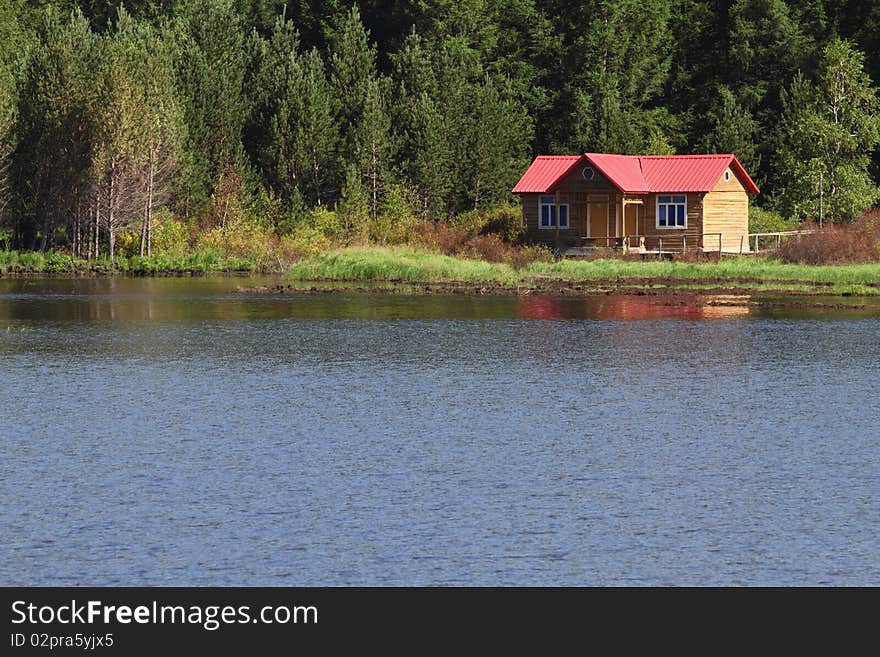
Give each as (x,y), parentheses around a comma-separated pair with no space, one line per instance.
(828,130)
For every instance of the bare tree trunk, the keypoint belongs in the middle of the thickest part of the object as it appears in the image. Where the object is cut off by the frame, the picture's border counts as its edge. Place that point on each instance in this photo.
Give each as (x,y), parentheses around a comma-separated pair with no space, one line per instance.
(77,251)
(146,228)
(89,229)
(45,236)
(111,228)
(150,202)
(315,175)
(97,228)
(375,176)
(144,233)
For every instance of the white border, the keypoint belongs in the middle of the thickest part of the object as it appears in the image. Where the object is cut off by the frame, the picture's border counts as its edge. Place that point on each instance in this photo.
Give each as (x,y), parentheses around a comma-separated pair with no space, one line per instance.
(657,212)
(567,213)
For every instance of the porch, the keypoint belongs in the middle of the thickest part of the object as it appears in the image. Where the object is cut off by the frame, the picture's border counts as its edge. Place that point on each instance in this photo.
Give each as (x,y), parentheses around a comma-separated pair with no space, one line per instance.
(598,219)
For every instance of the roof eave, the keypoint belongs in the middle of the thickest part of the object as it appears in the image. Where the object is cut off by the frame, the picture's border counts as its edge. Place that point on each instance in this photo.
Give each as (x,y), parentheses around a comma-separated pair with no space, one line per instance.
(552,187)
(744,176)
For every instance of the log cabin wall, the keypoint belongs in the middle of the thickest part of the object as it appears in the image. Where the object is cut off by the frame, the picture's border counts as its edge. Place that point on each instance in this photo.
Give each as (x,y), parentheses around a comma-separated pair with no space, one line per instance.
(672,237)
(579,187)
(726,210)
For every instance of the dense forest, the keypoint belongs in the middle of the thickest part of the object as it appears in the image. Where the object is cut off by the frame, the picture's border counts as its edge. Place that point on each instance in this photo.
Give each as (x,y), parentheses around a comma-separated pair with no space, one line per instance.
(121,121)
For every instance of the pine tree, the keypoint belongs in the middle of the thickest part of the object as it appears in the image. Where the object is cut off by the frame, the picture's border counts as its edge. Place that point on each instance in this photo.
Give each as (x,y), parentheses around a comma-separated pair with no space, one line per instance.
(429,166)
(732,129)
(352,66)
(304,131)
(212,63)
(496,145)
(620,62)
(424,151)
(50,163)
(374,141)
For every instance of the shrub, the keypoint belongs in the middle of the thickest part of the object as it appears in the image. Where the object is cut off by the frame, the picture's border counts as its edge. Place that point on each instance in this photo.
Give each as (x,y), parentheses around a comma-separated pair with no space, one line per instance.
(440,236)
(237,239)
(304,242)
(397,220)
(835,244)
(768,221)
(128,243)
(505,221)
(458,241)
(326,222)
(170,237)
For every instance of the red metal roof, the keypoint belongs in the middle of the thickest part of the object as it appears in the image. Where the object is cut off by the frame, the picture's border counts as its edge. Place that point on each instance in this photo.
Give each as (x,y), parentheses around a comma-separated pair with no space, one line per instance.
(544,172)
(622,170)
(637,174)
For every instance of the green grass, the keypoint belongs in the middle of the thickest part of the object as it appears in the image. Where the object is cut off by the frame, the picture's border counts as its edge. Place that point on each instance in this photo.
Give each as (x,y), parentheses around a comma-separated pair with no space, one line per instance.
(383,264)
(415,266)
(739,268)
(35,262)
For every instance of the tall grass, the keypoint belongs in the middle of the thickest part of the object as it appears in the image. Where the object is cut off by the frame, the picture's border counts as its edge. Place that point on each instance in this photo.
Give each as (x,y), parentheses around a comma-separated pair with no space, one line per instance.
(383,264)
(204,261)
(739,268)
(407,265)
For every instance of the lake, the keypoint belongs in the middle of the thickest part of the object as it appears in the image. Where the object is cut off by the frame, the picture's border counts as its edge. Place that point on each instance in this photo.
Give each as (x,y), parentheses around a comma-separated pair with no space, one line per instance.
(177,432)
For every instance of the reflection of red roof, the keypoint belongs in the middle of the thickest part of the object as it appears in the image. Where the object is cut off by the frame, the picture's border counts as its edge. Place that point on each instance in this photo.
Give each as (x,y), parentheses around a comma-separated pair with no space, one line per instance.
(636,174)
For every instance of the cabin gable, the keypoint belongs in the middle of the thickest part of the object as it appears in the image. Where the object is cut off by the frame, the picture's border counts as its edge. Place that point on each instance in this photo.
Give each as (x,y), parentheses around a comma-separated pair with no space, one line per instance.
(729,181)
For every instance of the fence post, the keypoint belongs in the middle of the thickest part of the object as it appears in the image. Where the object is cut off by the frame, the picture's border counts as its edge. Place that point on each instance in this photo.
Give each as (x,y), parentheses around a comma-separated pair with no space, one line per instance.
(659,248)
(741,244)
(684,243)
(719,247)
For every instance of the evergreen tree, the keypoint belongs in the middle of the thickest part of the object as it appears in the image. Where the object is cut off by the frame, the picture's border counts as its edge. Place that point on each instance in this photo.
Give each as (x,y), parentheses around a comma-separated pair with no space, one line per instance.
(429,166)
(212,62)
(374,141)
(305,136)
(732,129)
(619,63)
(424,153)
(767,46)
(49,166)
(496,145)
(352,66)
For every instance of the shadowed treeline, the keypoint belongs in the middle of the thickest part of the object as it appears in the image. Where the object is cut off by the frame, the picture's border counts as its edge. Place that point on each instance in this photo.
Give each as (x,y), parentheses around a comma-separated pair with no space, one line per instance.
(224,126)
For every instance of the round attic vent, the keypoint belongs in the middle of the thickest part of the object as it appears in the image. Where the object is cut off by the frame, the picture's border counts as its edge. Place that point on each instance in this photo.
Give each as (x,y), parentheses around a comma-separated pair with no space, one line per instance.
(588,173)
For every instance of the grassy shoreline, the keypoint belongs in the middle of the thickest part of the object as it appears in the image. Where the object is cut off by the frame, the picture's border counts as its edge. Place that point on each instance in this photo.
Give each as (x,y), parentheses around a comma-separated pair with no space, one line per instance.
(406,266)
(203,262)
(742,274)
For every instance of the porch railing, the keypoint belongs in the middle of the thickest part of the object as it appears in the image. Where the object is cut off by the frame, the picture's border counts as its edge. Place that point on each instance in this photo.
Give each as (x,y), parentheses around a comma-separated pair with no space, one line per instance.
(775,239)
(670,244)
(715,242)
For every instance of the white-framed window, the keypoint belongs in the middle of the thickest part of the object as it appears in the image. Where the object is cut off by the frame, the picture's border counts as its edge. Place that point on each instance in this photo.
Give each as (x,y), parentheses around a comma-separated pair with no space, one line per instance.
(547,212)
(672,211)
(727,175)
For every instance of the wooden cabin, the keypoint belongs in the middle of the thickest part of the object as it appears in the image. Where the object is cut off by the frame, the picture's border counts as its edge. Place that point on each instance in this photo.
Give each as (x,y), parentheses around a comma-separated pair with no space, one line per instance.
(667,203)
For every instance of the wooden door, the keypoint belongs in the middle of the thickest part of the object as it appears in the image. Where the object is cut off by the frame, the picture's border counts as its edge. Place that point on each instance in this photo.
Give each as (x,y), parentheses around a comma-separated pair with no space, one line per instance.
(630,220)
(599,221)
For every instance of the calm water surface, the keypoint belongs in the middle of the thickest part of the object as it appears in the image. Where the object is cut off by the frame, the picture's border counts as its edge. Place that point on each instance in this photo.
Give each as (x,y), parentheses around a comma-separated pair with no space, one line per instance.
(173,431)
